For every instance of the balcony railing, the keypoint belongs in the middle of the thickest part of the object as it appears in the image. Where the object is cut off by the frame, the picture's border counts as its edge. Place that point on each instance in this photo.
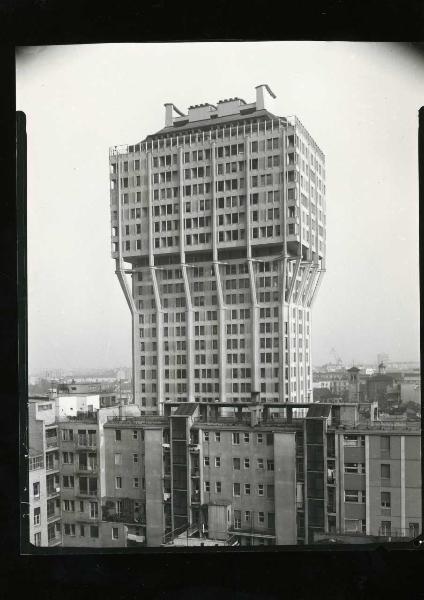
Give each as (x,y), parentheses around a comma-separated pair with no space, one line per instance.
(53,516)
(52,466)
(87,468)
(55,541)
(53,491)
(84,442)
(52,442)
(88,493)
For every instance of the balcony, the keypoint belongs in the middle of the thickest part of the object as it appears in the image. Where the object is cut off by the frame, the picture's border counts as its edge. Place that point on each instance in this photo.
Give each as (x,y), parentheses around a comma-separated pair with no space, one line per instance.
(53,516)
(51,442)
(55,541)
(195,497)
(195,472)
(89,493)
(194,448)
(52,492)
(87,442)
(87,469)
(52,466)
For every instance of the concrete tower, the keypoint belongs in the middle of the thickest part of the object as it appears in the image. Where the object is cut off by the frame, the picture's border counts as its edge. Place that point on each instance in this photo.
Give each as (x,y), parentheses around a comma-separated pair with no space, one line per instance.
(219,219)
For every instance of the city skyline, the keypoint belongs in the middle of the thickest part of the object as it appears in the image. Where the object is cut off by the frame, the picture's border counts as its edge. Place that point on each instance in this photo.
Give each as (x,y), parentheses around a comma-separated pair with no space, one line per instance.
(77,314)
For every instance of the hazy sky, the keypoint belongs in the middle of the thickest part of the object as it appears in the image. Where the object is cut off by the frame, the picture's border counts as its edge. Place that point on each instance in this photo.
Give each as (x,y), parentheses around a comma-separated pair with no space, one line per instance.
(359,101)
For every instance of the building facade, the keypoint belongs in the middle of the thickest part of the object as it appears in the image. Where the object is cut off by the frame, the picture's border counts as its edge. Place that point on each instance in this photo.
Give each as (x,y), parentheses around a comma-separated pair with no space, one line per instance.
(219,220)
(213,474)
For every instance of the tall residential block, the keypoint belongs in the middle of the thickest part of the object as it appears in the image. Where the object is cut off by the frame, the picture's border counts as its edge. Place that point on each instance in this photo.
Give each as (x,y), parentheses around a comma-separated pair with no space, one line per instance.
(218,233)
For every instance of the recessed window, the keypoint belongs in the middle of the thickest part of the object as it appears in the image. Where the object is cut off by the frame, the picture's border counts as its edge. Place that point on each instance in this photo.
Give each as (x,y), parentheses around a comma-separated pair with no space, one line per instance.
(236,464)
(115,533)
(236,489)
(37,516)
(118,483)
(117,435)
(217,461)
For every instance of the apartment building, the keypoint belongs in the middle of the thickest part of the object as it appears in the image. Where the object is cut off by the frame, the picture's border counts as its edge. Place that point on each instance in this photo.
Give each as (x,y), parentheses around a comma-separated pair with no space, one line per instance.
(44,481)
(220,474)
(219,220)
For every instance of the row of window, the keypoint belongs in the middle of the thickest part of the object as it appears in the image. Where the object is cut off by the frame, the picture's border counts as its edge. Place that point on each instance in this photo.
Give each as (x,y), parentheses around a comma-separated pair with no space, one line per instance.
(260,463)
(249,520)
(246,436)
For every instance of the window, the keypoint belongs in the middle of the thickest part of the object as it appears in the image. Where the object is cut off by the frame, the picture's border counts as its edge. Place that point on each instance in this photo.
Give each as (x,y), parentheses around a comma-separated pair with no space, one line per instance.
(259,438)
(118,459)
(207,486)
(217,461)
(37,539)
(355,468)
(68,481)
(386,528)
(118,483)
(136,482)
(354,496)
(67,435)
(236,489)
(217,436)
(37,516)
(206,436)
(270,465)
(36,489)
(247,463)
(68,458)
(82,530)
(271,520)
(115,533)
(355,525)
(247,489)
(246,438)
(236,438)
(94,510)
(117,435)
(385,500)
(354,440)
(260,463)
(69,529)
(135,434)
(135,458)
(236,464)
(206,461)
(260,489)
(261,517)
(237,519)
(68,505)
(385,445)
(269,439)
(218,487)
(94,531)
(385,471)
(247,516)
(414,529)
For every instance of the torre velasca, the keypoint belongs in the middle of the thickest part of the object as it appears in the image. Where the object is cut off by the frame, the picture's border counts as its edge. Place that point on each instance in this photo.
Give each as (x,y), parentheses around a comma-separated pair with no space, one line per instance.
(218,233)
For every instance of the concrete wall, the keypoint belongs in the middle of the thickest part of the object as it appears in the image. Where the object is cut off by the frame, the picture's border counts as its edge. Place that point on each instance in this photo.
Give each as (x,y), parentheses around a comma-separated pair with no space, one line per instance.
(285,488)
(154,487)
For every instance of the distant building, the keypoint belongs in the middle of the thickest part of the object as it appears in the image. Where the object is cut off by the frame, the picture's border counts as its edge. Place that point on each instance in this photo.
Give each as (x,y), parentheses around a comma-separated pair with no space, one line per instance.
(382,358)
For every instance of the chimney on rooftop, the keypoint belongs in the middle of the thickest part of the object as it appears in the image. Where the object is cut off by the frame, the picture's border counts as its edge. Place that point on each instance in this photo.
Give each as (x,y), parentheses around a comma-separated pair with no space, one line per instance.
(260,96)
(169,119)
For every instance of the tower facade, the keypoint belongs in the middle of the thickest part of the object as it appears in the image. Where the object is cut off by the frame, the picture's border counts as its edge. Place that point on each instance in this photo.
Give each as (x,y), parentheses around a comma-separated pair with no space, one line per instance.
(218,234)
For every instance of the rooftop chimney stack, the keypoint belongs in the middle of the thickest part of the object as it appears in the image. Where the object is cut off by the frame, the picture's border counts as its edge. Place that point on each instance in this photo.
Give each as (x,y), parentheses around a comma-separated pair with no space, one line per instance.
(260,96)
(169,118)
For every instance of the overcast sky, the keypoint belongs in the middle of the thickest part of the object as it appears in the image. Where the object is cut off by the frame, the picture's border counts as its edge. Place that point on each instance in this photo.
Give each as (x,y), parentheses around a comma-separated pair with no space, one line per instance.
(359,101)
